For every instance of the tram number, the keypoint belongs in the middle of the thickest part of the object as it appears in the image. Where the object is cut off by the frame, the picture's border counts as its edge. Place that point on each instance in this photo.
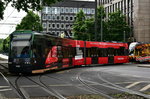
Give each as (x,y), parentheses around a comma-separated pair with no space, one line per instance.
(18,66)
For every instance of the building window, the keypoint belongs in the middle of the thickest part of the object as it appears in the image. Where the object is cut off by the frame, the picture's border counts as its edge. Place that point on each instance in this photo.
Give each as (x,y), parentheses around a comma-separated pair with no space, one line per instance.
(49,10)
(67,26)
(58,17)
(62,25)
(57,33)
(62,17)
(53,32)
(58,10)
(74,17)
(66,10)
(75,10)
(88,11)
(62,9)
(84,10)
(66,18)
(53,10)
(92,11)
(44,10)
(44,17)
(49,17)
(44,25)
(53,17)
(58,25)
(71,18)
(53,25)
(71,10)
(49,25)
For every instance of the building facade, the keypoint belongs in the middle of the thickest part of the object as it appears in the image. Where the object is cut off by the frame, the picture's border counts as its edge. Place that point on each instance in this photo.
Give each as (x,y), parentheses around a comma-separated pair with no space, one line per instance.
(141,19)
(137,16)
(60,16)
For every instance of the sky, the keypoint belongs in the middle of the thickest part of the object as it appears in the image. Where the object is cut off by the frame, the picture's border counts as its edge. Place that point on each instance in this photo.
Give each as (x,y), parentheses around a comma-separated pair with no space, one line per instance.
(11,18)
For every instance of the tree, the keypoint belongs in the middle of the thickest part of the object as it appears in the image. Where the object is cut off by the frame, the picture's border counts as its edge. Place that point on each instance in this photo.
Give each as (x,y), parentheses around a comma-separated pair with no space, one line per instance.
(6,45)
(2,8)
(30,22)
(1,45)
(101,24)
(79,26)
(25,5)
(117,27)
(89,29)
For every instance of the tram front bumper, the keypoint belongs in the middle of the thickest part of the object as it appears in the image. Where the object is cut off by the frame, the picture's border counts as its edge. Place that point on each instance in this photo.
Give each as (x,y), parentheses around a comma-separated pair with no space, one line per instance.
(15,68)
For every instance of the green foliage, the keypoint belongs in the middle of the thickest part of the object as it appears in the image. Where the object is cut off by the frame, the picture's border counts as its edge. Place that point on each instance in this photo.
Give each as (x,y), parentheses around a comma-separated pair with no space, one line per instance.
(6,45)
(113,29)
(117,27)
(84,28)
(25,5)
(1,45)
(89,25)
(1,9)
(79,27)
(100,22)
(30,22)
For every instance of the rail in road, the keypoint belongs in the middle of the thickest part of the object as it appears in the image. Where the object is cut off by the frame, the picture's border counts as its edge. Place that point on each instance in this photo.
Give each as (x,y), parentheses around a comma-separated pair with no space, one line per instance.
(82,79)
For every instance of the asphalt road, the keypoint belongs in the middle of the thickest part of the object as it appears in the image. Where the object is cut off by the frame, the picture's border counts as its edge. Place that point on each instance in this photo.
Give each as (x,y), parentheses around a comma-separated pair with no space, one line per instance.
(101,80)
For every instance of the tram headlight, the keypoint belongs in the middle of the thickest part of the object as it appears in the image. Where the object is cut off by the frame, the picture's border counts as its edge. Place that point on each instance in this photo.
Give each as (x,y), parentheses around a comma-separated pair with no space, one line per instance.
(27,61)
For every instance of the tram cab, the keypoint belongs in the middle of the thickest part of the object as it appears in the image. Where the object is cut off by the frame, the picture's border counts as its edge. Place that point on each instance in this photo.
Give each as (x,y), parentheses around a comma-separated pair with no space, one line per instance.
(27,51)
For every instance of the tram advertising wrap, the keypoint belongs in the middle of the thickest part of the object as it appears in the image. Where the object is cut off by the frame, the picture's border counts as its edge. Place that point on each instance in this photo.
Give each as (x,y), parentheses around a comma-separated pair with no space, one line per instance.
(32,52)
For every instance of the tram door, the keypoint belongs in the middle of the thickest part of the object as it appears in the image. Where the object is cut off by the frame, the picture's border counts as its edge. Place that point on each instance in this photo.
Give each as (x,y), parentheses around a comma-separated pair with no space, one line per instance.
(111,55)
(94,55)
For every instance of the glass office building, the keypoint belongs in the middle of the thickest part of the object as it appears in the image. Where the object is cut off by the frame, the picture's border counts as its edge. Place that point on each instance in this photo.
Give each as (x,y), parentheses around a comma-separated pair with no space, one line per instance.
(60,16)
(137,16)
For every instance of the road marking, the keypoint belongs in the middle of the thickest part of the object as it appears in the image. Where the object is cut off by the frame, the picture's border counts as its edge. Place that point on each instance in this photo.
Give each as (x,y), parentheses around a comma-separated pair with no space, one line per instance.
(5,89)
(133,84)
(145,88)
(4,86)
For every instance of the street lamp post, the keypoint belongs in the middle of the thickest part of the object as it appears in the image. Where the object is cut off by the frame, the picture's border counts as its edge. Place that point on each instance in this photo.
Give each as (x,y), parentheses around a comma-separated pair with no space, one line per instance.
(124,36)
(101,24)
(95,20)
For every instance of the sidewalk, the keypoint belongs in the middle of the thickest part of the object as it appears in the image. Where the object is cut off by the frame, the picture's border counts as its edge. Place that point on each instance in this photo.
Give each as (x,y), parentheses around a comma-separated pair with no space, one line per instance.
(144,65)
(3,57)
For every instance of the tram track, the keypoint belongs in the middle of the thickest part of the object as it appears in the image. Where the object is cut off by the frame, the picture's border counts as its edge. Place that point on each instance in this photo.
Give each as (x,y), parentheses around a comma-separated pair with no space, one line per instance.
(122,88)
(3,66)
(14,87)
(47,88)
(92,89)
(110,85)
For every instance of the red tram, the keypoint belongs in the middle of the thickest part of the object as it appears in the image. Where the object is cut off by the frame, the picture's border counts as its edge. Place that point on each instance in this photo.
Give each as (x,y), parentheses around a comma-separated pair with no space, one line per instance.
(32,52)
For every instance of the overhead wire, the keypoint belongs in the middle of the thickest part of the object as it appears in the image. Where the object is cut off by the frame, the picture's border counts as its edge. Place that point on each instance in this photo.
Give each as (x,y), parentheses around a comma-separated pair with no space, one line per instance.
(4,23)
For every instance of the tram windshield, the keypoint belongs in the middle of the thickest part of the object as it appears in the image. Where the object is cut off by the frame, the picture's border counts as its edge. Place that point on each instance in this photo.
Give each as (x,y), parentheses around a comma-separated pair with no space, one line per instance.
(20,46)
(20,49)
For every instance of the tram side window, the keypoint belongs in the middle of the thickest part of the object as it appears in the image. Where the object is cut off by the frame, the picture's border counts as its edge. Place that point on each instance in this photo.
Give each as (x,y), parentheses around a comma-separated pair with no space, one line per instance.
(111,51)
(96,52)
(79,52)
(59,50)
(71,51)
(48,46)
(121,51)
(104,52)
(88,52)
(38,47)
(67,51)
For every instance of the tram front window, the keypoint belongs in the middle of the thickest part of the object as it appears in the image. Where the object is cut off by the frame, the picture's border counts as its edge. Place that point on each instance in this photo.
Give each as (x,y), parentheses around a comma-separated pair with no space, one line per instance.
(20,49)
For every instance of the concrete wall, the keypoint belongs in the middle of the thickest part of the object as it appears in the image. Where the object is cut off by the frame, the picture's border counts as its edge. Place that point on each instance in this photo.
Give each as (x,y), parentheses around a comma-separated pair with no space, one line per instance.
(141,20)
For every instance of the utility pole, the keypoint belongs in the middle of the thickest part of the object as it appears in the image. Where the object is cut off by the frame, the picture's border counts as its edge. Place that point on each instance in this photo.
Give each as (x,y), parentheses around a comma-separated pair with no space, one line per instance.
(101,23)
(95,20)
